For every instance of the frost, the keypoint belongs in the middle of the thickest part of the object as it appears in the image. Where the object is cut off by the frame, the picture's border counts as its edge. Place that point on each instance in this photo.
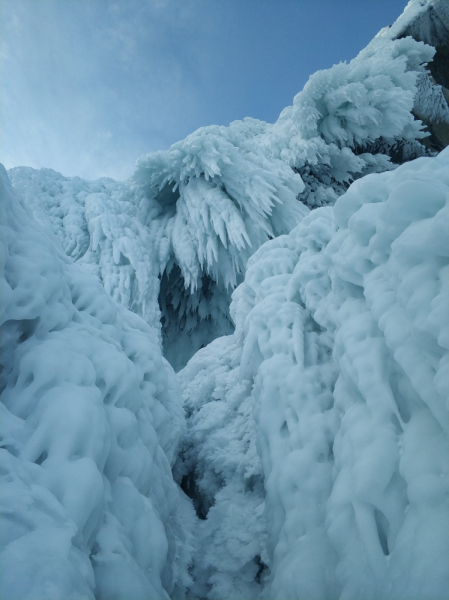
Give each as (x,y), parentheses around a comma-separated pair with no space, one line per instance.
(314,444)
(351,119)
(220,199)
(101,225)
(192,217)
(332,392)
(90,422)
(173,243)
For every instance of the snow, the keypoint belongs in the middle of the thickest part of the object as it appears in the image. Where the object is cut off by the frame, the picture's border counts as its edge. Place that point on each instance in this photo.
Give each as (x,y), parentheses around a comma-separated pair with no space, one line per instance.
(296,274)
(193,215)
(220,199)
(327,408)
(100,225)
(425,20)
(172,243)
(349,120)
(91,418)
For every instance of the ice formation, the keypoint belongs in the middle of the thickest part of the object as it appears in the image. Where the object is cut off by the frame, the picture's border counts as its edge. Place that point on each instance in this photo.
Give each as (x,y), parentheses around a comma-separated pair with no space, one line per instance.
(314,445)
(350,120)
(220,199)
(102,226)
(428,21)
(90,422)
(173,242)
(232,201)
(317,432)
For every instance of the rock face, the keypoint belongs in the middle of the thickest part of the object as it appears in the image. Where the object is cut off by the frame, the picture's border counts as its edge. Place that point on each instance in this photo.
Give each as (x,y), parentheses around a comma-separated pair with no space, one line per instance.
(431,26)
(429,23)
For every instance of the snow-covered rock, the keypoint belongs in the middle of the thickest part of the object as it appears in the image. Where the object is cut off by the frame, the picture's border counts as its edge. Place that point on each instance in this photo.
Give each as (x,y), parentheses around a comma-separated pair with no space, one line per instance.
(317,433)
(428,21)
(156,250)
(90,422)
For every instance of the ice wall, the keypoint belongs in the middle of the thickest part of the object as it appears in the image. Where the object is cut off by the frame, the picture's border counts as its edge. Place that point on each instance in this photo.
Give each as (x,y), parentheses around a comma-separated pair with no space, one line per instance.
(173,242)
(102,225)
(156,250)
(90,422)
(220,198)
(317,441)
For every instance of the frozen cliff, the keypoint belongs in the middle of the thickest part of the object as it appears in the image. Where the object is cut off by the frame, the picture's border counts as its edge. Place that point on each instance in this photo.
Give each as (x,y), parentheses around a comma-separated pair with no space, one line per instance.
(317,433)
(296,276)
(90,422)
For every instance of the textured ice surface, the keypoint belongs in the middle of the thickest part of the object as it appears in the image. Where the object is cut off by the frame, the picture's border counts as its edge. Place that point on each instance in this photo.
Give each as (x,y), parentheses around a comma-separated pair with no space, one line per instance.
(173,242)
(90,422)
(220,198)
(316,449)
(425,20)
(349,120)
(197,238)
(317,432)
(102,225)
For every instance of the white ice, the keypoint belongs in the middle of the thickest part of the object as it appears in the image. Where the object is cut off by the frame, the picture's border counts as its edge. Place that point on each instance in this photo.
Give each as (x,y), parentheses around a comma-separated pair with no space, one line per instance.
(317,432)
(90,422)
(173,242)
(314,441)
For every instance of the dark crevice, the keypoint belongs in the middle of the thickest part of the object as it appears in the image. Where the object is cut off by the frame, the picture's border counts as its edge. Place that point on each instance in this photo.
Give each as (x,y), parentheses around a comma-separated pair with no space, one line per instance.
(383,527)
(190,489)
(42,458)
(262,567)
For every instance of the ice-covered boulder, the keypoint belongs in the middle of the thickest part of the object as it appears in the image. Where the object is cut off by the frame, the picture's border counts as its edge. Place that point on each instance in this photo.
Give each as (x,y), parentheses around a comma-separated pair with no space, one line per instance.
(90,422)
(317,441)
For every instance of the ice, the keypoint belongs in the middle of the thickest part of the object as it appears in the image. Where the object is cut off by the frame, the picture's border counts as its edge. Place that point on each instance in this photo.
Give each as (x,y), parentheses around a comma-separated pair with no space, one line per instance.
(172,243)
(192,216)
(425,20)
(327,408)
(308,424)
(91,418)
(220,198)
(101,225)
(349,120)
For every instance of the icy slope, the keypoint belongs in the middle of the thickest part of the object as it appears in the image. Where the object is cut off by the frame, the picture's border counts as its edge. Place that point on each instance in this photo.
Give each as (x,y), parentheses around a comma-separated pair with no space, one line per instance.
(90,423)
(317,438)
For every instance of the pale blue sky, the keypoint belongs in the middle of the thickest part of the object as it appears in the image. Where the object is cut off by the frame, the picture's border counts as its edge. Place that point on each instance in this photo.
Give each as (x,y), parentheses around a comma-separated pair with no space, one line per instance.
(87,86)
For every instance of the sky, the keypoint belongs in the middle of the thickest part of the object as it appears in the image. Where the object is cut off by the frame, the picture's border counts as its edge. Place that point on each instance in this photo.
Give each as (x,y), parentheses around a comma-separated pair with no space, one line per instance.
(88,86)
